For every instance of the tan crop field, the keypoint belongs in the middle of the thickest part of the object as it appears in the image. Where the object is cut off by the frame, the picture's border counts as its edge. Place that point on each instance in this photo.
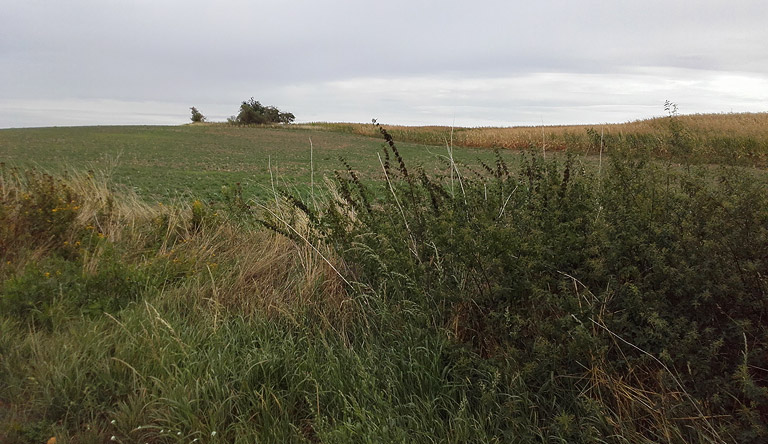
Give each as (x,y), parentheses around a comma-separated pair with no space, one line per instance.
(718,138)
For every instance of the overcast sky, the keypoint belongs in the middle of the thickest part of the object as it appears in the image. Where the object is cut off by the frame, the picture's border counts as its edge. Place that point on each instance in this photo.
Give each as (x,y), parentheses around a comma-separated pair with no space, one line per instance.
(468,63)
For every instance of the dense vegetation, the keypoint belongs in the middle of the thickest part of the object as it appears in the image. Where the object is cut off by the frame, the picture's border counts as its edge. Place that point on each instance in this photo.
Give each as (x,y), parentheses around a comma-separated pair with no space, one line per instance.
(541,301)
(252,112)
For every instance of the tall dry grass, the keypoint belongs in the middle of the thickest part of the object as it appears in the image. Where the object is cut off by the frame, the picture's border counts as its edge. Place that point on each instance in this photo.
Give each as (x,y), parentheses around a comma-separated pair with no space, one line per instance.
(85,217)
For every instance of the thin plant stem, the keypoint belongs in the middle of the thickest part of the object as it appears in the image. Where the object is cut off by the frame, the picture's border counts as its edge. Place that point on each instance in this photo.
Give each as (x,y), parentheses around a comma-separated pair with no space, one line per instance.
(402,213)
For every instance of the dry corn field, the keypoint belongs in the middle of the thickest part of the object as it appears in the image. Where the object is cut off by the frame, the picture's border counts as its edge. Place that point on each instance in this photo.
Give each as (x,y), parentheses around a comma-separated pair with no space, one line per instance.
(739,137)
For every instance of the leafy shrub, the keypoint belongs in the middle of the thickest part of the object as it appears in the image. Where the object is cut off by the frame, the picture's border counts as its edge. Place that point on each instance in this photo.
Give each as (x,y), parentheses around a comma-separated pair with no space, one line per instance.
(53,286)
(36,211)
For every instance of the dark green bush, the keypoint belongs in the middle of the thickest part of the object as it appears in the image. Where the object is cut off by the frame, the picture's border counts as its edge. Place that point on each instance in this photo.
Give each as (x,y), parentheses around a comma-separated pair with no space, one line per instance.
(252,112)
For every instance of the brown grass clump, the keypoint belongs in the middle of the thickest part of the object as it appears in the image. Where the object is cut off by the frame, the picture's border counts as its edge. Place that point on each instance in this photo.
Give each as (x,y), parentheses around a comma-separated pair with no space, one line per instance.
(641,409)
(258,271)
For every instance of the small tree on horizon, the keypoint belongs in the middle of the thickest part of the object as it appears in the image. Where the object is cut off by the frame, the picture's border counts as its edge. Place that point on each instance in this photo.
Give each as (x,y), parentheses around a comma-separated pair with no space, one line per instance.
(197,116)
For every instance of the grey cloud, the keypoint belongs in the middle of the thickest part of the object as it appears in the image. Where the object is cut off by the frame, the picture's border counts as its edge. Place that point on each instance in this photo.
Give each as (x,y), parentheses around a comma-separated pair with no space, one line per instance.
(221,52)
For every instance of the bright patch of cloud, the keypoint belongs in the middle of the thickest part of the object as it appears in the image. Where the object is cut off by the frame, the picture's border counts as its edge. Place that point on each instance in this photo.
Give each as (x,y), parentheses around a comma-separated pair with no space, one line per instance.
(525,99)
(529,99)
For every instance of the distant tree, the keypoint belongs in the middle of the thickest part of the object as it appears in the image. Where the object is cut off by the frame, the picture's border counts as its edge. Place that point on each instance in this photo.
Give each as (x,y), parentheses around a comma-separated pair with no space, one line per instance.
(286,117)
(197,116)
(252,112)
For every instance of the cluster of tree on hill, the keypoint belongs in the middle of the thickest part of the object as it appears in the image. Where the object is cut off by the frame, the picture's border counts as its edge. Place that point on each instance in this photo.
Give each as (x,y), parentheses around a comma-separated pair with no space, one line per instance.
(252,112)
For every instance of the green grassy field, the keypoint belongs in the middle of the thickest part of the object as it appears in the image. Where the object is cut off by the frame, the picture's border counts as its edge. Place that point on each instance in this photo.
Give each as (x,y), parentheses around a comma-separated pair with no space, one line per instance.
(161,163)
(546,299)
